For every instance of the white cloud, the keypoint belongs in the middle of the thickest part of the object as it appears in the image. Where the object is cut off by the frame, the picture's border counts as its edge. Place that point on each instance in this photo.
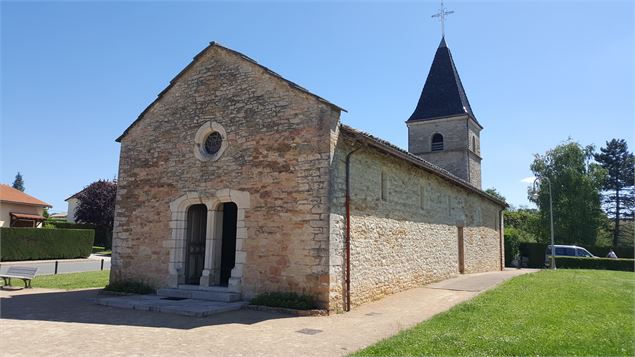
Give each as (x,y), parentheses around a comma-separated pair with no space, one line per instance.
(529,179)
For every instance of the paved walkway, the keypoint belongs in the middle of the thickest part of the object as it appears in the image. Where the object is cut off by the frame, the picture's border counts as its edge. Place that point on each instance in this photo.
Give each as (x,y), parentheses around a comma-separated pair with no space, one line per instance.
(55,323)
(47,267)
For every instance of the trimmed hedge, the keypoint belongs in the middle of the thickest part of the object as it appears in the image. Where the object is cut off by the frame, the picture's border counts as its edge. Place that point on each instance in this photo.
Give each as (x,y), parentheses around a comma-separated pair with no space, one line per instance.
(40,243)
(535,252)
(595,263)
(621,252)
(103,238)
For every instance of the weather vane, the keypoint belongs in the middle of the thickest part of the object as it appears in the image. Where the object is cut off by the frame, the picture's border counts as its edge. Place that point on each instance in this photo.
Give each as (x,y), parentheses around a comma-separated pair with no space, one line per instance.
(441,15)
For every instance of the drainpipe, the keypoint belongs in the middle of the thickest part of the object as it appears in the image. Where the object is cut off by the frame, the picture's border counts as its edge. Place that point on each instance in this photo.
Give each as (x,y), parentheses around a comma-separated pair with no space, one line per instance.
(500,238)
(347,204)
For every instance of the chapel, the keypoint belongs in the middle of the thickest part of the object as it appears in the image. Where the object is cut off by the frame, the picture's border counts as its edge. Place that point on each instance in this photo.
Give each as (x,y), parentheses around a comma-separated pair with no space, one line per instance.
(236,181)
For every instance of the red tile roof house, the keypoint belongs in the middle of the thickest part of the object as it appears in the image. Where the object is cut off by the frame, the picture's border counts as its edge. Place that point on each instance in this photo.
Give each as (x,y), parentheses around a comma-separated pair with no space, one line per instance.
(17,209)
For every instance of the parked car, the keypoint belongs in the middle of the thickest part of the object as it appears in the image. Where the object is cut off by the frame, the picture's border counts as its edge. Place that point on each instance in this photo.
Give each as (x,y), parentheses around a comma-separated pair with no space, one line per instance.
(567,251)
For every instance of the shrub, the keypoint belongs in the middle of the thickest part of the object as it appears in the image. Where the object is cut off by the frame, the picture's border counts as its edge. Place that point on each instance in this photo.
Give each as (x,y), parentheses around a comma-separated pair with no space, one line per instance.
(103,237)
(130,287)
(621,252)
(511,248)
(35,243)
(287,300)
(595,263)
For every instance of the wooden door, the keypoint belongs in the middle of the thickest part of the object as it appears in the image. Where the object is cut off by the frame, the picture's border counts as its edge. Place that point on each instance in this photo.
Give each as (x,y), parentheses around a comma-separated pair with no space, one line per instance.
(228,250)
(195,247)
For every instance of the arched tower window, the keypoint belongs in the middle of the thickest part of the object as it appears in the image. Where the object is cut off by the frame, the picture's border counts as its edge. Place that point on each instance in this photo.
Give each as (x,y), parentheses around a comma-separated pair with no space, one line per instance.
(474,143)
(437,142)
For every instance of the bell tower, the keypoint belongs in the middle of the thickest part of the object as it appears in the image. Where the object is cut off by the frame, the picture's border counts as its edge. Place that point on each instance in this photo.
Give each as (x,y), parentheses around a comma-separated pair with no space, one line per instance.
(443,129)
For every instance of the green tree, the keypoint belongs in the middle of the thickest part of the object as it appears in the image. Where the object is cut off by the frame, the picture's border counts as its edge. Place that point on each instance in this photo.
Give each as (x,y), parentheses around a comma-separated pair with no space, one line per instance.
(97,206)
(575,185)
(494,192)
(18,183)
(525,224)
(619,192)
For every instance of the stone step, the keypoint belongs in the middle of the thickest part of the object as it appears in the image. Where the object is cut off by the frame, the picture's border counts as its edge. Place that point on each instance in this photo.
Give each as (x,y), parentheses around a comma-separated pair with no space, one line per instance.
(187,307)
(223,296)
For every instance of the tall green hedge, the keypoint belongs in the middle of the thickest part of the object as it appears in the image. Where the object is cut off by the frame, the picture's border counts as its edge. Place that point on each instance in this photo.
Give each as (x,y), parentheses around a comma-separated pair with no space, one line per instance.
(535,252)
(595,263)
(621,252)
(40,243)
(103,237)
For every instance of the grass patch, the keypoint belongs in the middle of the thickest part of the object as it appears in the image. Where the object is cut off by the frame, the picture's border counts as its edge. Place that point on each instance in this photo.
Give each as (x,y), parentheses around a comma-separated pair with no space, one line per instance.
(553,313)
(101,250)
(130,287)
(91,279)
(287,300)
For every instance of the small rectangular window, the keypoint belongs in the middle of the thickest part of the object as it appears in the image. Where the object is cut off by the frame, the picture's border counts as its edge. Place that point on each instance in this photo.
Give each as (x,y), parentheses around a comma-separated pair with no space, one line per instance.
(449,206)
(384,187)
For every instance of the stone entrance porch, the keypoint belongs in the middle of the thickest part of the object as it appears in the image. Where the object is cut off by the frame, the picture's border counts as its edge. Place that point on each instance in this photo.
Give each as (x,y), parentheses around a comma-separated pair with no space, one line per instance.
(177,242)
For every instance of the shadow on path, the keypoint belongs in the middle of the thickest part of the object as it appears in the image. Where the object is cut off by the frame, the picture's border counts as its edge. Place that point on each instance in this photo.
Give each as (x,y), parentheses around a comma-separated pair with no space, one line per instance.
(76,307)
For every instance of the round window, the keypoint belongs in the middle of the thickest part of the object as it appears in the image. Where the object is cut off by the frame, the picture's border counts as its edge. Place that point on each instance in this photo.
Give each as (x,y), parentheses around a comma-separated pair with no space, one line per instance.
(213,143)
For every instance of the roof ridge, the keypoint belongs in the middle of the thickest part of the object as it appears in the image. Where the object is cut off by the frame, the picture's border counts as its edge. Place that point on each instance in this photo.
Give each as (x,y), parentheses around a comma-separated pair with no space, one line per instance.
(422,163)
(243,56)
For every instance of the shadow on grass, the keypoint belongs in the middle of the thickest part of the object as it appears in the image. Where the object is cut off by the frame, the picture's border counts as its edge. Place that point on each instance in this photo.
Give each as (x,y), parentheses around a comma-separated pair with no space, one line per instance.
(76,307)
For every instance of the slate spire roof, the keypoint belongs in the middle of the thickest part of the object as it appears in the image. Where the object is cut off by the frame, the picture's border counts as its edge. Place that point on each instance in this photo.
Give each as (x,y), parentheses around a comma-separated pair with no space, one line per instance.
(443,94)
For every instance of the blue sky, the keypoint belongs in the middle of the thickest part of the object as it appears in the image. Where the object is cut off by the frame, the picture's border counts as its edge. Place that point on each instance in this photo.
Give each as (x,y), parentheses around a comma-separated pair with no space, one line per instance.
(74,75)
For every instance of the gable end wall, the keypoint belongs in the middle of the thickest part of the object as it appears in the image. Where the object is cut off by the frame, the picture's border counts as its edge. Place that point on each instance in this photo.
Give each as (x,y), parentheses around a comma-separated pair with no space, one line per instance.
(278,151)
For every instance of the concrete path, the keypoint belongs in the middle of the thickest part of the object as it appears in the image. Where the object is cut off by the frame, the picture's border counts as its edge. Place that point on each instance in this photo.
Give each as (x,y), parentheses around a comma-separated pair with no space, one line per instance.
(55,322)
(47,267)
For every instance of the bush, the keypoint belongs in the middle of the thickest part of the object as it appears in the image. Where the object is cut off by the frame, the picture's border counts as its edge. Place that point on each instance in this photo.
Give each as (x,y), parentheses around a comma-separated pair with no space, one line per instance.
(36,243)
(621,252)
(287,300)
(130,287)
(595,263)
(103,237)
(511,248)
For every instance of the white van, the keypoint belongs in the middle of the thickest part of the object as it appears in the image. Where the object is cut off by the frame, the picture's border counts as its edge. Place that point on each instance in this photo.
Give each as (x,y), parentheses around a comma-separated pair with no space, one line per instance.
(567,251)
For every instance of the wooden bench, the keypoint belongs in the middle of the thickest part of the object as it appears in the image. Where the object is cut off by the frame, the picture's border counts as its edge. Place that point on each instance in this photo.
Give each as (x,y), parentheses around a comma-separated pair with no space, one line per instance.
(24,273)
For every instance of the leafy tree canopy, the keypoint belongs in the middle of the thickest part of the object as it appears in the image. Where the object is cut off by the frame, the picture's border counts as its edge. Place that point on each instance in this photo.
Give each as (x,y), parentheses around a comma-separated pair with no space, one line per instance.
(619,186)
(494,192)
(575,184)
(97,204)
(18,183)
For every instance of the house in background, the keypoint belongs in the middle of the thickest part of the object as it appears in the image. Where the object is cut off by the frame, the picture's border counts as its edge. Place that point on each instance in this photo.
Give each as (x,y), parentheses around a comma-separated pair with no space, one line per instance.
(17,209)
(73,202)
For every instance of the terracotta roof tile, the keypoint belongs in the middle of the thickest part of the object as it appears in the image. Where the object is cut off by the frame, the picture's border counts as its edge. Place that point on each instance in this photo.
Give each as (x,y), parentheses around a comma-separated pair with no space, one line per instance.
(10,194)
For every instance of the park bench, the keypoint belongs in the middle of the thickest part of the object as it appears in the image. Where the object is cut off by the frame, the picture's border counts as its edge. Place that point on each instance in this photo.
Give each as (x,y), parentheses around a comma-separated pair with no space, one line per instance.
(24,273)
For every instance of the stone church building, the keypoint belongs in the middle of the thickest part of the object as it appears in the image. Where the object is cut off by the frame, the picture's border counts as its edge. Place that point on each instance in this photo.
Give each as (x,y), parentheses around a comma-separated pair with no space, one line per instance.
(236,181)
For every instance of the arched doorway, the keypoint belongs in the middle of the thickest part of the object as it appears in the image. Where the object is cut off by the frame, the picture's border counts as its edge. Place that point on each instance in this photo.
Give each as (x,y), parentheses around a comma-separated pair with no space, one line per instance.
(195,246)
(228,244)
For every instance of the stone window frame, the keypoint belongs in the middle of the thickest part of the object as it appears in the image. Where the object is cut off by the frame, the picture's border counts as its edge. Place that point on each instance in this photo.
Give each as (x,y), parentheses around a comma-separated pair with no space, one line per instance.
(202,133)
(437,145)
(177,241)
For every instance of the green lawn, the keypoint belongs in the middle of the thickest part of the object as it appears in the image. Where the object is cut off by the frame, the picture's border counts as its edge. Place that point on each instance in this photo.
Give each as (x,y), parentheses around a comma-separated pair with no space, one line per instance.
(92,279)
(101,250)
(564,312)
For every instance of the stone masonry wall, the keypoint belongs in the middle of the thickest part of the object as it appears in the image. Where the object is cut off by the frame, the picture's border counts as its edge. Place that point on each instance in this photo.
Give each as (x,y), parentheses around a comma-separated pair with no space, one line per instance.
(455,143)
(278,151)
(410,236)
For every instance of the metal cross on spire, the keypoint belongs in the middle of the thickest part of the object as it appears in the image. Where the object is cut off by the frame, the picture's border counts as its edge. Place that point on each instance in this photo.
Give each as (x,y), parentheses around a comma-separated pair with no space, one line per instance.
(441,15)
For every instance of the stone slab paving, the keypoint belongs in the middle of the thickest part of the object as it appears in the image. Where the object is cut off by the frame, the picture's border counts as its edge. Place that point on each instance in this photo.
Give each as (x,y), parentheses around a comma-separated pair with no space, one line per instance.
(57,323)
(186,307)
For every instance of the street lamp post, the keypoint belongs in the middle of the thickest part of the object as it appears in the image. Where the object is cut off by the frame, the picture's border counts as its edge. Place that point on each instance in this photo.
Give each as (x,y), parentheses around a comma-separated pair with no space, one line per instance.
(553,247)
